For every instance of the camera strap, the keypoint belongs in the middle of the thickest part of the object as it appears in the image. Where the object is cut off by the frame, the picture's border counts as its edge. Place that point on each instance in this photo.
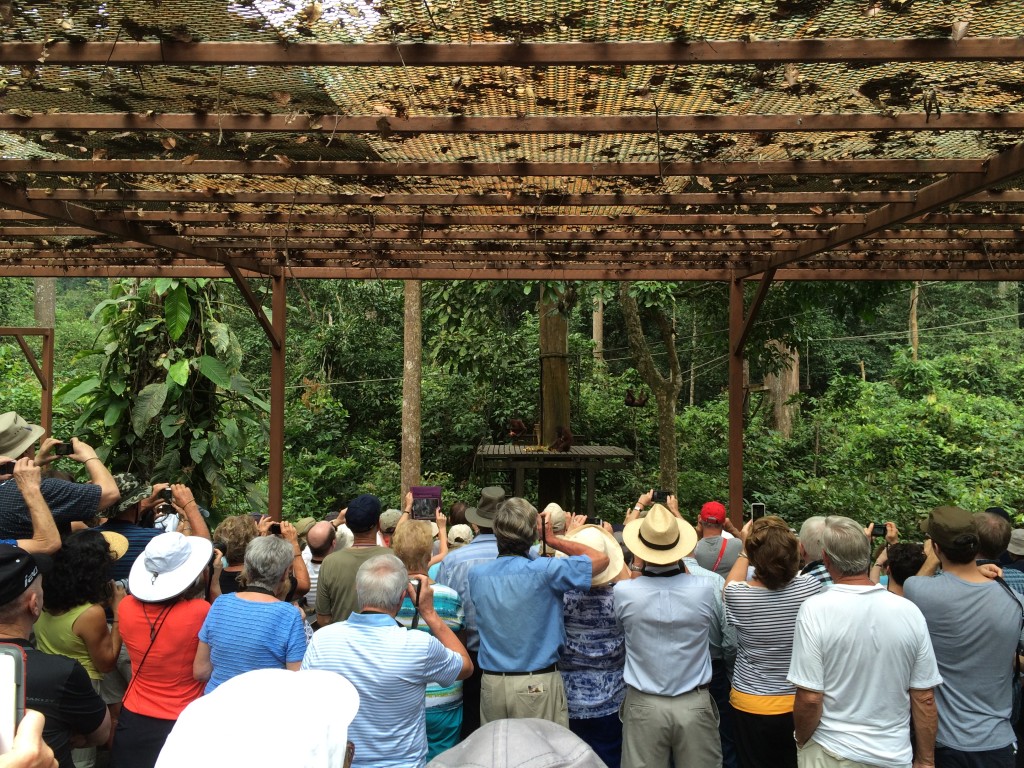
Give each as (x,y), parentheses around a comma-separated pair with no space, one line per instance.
(721,552)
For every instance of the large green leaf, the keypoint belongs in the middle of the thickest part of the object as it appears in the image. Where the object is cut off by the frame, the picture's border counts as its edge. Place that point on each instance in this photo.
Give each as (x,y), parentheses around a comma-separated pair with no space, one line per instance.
(117,383)
(177,311)
(220,336)
(162,284)
(147,405)
(178,373)
(113,412)
(198,449)
(215,371)
(170,424)
(79,390)
(148,325)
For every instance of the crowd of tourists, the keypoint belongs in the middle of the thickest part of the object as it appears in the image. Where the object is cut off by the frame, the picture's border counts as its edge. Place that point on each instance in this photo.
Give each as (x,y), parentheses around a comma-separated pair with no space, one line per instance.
(495,635)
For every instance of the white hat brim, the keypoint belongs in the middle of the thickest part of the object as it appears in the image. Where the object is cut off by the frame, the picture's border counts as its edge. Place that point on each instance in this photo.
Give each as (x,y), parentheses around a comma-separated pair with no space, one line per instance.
(144,587)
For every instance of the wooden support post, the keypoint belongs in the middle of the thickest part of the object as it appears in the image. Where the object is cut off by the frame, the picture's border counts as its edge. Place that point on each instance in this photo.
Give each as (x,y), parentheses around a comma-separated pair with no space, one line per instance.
(44,373)
(736,402)
(46,404)
(275,500)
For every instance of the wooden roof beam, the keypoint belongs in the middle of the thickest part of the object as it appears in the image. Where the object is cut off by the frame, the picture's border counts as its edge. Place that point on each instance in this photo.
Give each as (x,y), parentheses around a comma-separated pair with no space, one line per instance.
(590,124)
(1004,165)
(842,50)
(292,218)
(462,200)
(871,166)
(527,272)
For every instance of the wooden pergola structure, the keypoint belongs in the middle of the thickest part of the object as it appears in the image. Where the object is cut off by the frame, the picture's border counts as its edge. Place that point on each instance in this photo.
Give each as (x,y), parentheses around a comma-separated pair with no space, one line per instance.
(509,140)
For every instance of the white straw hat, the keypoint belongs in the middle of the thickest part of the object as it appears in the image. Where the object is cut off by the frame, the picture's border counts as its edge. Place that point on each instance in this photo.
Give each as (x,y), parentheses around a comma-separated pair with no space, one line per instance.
(168,566)
(596,537)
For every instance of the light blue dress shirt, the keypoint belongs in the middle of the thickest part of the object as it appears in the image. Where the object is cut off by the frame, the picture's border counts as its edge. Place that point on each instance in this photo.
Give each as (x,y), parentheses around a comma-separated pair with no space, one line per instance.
(454,573)
(667,622)
(519,609)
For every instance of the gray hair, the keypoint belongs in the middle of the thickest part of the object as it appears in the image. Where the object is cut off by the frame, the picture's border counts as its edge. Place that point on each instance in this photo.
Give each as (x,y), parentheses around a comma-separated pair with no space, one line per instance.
(381,583)
(515,526)
(266,560)
(847,546)
(810,536)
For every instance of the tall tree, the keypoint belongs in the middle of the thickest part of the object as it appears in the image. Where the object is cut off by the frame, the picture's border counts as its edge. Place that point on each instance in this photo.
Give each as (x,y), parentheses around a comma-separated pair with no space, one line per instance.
(411,380)
(665,386)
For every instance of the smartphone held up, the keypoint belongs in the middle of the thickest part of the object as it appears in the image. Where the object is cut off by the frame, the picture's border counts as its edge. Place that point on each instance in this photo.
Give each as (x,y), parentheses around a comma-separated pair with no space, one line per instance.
(426,500)
(12,693)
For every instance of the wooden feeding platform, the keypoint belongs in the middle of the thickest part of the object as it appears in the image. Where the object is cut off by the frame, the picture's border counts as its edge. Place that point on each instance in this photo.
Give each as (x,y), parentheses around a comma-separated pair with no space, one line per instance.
(517,459)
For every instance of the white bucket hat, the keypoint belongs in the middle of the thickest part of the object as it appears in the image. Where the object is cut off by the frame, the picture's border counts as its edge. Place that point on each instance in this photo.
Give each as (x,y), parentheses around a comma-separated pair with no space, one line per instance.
(17,435)
(168,566)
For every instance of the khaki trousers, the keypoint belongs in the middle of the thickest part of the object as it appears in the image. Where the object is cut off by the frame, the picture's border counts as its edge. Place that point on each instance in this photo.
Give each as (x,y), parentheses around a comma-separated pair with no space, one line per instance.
(813,755)
(536,695)
(682,728)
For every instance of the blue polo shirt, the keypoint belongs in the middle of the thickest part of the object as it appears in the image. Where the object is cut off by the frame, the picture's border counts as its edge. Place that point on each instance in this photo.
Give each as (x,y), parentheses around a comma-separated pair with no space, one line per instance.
(518,605)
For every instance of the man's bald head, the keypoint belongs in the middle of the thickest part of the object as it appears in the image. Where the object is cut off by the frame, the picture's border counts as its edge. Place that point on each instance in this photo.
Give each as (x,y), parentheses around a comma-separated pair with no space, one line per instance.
(320,538)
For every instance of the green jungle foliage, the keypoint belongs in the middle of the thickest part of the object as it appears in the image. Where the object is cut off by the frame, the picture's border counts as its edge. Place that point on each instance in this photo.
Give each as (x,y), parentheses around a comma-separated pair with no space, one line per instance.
(169,378)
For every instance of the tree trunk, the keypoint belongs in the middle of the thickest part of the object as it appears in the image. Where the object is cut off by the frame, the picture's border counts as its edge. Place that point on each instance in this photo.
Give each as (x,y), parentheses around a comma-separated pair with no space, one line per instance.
(598,328)
(914,293)
(553,484)
(781,386)
(411,376)
(665,388)
(45,289)
(693,361)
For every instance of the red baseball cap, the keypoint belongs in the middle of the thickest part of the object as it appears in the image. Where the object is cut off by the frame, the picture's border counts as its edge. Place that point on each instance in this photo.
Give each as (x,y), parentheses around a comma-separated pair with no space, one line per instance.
(713,512)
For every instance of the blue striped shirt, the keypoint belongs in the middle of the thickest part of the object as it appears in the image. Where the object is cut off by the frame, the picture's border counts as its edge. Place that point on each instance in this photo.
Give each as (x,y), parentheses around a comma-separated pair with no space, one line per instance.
(245,634)
(390,667)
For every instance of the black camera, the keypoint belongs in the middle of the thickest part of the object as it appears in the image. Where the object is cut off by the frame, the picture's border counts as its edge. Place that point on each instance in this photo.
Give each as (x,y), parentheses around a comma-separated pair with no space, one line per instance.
(660,497)
(167,495)
(63,449)
(595,521)
(7,468)
(274,529)
(878,530)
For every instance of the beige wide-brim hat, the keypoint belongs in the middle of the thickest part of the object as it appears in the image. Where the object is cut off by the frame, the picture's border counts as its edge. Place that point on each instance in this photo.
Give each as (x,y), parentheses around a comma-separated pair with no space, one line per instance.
(660,538)
(596,537)
(17,435)
(117,543)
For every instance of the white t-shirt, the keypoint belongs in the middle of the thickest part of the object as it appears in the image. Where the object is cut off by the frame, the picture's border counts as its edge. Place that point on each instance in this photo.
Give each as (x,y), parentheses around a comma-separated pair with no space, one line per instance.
(864,648)
(314,574)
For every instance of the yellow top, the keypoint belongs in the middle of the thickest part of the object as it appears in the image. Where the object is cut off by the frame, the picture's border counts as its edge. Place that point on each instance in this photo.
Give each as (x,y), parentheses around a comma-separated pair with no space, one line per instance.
(55,635)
